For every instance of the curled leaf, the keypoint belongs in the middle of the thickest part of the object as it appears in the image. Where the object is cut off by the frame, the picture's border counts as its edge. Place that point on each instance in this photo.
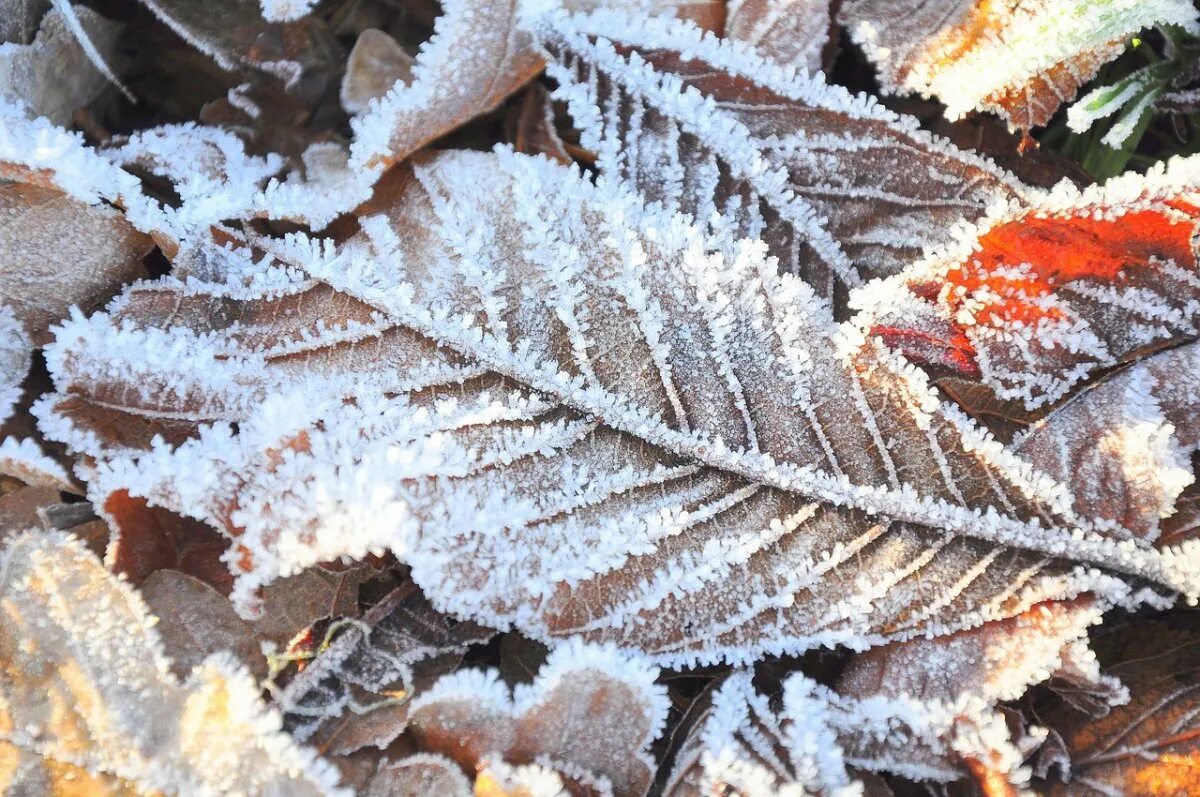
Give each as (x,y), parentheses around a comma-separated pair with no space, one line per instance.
(1018,59)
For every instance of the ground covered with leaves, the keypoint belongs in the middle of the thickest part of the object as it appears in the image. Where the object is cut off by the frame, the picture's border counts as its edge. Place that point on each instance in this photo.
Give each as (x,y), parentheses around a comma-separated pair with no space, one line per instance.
(601,398)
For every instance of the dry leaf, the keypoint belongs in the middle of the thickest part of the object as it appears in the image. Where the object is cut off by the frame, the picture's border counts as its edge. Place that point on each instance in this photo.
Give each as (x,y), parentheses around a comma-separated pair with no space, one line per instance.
(590,715)
(1150,747)
(1018,58)
(86,684)
(964,676)
(15,348)
(476,58)
(54,75)
(732,503)
(376,64)
(839,188)
(371,669)
(420,775)
(195,621)
(1031,302)
(738,746)
(789,32)
(99,249)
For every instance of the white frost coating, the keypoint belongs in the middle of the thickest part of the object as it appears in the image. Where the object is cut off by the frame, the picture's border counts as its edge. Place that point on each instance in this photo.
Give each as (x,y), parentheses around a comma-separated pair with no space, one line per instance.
(737,744)
(286,10)
(15,348)
(116,699)
(1106,100)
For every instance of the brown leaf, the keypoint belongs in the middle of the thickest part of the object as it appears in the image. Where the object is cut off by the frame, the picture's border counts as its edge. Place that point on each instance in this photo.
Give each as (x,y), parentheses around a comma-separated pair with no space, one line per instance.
(357,690)
(588,712)
(420,775)
(790,32)
(531,127)
(840,189)
(1150,747)
(784,539)
(95,252)
(149,538)
(1125,446)
(195,621)
(53,75)
(1018,58)
(476,58)
(376,63)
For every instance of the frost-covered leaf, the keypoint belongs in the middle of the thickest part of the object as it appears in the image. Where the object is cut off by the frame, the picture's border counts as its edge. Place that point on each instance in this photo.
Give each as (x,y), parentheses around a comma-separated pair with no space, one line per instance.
(59,252)
(590,715)
(1150,747)
(790,32)
(24,460)
(54,75)
(476,58)
(235,34)
(1126,445)
(531,126)
(195,621)
(1031,302)
(594,420)
(85,683)
(739,746)
(420,775)
(1018,58)
(839,188)
(942,693)
(373,666)
(376,63)
(15,349)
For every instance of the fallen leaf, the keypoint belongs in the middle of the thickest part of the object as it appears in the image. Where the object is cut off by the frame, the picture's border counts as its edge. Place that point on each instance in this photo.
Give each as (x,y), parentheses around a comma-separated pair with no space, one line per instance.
(591,714)
(789,32)
(54,75)
(793,517)
(86,683)
(1017,58)
(839,188)
(1150,747)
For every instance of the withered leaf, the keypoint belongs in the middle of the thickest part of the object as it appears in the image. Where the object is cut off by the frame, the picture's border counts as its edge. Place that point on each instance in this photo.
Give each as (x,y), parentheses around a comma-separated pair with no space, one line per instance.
(59,252)
(1018,58)
(195,621)
(53,75)
(790,32)
(399,644)
(838,187)
(376,63)
(86,684)
(730,503)
(1150,747)
(590,715)
(1032,301)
